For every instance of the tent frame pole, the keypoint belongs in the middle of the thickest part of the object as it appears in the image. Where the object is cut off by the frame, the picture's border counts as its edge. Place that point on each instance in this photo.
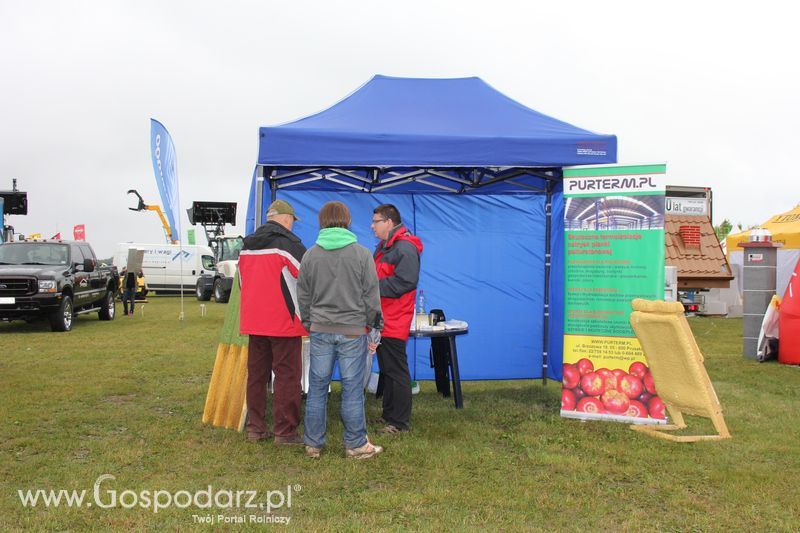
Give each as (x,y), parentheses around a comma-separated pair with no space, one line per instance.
(546,322)
(380,178)
(259,197)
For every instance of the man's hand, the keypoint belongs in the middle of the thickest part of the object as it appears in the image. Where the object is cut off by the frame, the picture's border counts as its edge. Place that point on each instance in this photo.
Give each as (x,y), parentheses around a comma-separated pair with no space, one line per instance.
(372,347)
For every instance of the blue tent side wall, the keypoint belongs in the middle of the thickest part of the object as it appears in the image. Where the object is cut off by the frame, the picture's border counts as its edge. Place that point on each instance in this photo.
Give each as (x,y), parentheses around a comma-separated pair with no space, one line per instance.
(483,262)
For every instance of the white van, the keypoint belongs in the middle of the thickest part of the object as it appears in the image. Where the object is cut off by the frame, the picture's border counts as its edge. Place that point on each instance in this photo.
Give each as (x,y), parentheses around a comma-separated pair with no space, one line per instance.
(162,264)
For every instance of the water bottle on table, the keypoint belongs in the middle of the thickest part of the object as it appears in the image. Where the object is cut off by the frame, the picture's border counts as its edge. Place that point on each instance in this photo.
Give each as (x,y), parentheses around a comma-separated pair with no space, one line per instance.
(421,317)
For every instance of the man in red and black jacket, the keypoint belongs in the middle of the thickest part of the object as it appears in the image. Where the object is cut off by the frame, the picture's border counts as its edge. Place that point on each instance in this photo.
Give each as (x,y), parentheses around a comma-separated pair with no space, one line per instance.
(397,262)
(268,267)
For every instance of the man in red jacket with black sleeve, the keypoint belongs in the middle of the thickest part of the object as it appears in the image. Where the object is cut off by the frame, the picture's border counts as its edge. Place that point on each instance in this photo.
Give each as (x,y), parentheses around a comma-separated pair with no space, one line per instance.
(397,262)
(268,266)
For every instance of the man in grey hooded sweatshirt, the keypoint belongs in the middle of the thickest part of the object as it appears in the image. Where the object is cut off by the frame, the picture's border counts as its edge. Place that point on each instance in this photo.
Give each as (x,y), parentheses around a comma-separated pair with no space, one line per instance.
(338,297)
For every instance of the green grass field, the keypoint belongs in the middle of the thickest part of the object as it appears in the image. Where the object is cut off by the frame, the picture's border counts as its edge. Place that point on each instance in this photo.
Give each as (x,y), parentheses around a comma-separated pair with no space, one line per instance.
(125,398)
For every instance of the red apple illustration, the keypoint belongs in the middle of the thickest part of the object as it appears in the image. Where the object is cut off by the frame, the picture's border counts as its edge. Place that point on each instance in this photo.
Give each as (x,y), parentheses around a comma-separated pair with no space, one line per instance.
(638,369)
(636,409)
(568,401)
(649,384)
(585,366)
(631,386)
(590,405)
(656,408)
(609,377)
(604,372)
(615,402)
(571,377)
(593,384)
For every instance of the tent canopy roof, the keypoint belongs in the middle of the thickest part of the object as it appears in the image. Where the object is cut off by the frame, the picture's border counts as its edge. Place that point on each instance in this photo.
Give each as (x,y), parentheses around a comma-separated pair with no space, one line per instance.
(431,123)
(785,228)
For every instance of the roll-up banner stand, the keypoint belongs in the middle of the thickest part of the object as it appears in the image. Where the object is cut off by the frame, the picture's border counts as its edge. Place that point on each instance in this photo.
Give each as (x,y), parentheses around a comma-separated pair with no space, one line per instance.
(614,253)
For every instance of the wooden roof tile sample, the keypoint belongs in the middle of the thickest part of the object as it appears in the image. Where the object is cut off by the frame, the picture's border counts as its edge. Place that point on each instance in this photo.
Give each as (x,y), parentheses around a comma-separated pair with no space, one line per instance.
(695,260)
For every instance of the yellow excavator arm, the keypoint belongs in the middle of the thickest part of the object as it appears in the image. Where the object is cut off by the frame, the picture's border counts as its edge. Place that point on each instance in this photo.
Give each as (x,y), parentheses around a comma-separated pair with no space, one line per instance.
(164,222)
(144,207)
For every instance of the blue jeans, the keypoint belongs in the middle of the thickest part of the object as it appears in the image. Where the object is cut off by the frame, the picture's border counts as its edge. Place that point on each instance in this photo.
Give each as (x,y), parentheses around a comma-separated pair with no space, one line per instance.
(128,295)
(326,349)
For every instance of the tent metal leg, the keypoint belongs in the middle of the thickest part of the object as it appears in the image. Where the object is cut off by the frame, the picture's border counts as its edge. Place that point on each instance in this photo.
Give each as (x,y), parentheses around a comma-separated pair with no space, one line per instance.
(546,322)
(259,207)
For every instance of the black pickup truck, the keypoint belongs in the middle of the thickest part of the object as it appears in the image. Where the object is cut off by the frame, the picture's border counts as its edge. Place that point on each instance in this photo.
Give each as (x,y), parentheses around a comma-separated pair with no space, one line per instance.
(54,279)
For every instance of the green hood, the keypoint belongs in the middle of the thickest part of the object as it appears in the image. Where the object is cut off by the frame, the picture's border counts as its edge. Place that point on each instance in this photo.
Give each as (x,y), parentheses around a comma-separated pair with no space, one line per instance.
(335,238)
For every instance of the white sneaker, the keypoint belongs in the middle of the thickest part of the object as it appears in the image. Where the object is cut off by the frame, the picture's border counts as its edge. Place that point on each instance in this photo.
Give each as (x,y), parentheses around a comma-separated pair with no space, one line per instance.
(364,452)
(313,452)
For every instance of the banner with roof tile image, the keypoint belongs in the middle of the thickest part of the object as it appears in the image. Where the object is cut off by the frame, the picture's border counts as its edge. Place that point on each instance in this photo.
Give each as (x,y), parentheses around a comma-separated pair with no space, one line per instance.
(614,253)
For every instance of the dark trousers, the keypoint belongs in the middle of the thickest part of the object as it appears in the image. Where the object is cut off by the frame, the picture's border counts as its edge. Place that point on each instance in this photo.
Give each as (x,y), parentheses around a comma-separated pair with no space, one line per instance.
(396,382)
(128,295)
(281,355)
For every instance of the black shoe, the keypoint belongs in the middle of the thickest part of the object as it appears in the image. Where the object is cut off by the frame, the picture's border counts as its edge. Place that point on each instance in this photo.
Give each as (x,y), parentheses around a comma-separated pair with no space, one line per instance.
(288,440)
(391,429)
(256,437)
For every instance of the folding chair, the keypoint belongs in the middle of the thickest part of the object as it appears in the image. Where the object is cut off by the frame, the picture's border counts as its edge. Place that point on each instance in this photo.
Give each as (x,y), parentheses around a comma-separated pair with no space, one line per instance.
(677,367)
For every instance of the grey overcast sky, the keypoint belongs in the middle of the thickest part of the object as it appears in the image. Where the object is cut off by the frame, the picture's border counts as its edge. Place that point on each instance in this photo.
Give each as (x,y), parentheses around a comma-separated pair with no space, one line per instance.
(709,87)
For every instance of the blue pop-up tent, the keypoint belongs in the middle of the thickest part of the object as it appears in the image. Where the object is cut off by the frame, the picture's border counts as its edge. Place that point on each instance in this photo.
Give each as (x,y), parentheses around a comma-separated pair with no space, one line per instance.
(476,175)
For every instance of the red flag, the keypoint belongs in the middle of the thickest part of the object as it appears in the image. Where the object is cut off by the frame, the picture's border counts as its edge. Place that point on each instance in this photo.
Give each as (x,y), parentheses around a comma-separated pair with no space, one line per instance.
(57,236)
(79,232)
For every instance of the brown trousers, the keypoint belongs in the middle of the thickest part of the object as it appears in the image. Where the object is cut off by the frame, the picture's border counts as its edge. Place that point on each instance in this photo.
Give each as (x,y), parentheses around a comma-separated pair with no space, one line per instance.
(281,355)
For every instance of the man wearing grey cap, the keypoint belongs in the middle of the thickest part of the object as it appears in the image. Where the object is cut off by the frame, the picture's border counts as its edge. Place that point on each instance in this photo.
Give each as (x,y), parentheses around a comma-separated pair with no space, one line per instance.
(268,267)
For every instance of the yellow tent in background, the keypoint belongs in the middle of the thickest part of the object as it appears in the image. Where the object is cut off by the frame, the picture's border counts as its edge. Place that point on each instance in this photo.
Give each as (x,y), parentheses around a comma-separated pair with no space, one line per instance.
(785,229)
